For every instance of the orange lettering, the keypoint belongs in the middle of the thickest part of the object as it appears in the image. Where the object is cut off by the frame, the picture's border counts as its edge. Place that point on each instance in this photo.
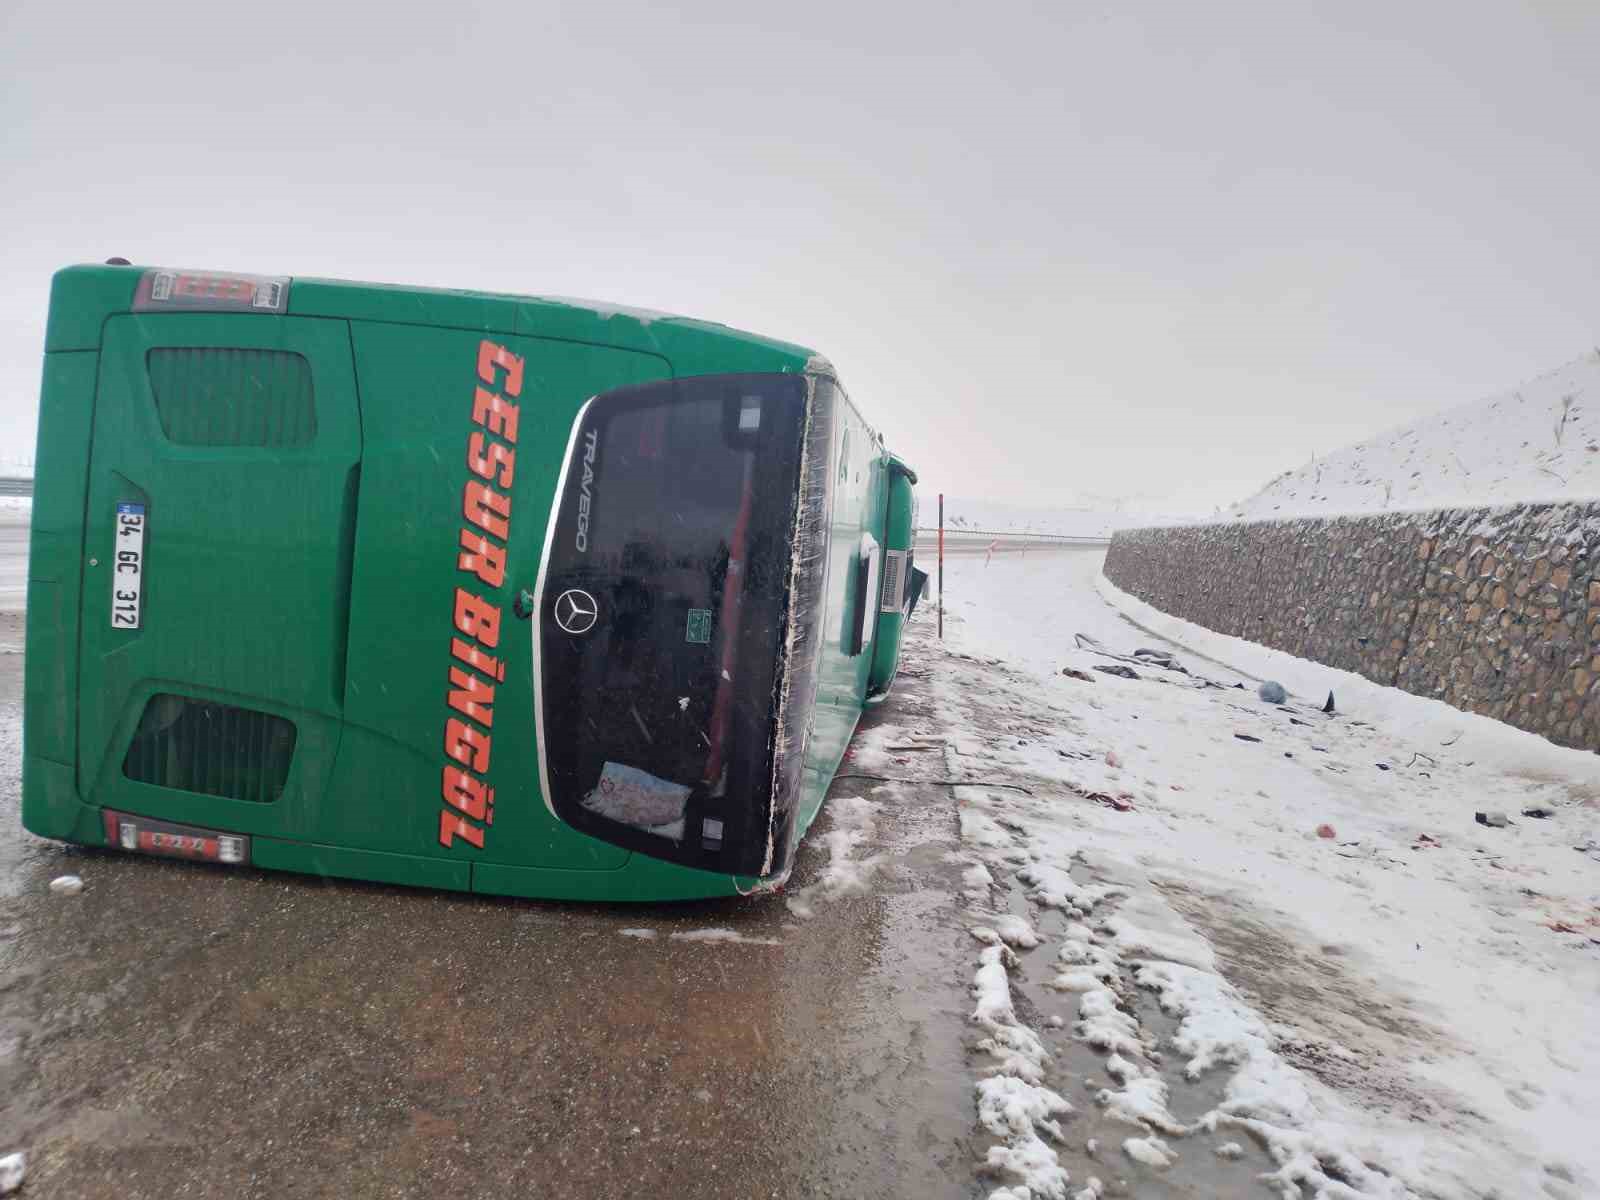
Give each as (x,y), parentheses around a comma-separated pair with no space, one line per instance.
(487,509)
(482,557)
(467,744)
(483,456)
(490,356)
(495,415)
(477,659)
(472,697)
(468,794)
(477,618)
(454,825)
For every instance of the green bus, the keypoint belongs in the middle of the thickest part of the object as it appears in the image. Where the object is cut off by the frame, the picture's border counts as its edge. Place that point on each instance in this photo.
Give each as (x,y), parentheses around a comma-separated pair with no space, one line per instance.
(503,594)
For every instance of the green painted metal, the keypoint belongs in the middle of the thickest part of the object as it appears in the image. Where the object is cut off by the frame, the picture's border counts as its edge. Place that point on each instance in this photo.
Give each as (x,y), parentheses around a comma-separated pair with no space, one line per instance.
(314,579)
(900,532)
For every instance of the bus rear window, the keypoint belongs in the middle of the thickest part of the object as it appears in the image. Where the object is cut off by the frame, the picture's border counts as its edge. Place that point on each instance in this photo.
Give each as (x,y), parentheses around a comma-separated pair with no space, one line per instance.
(663,615)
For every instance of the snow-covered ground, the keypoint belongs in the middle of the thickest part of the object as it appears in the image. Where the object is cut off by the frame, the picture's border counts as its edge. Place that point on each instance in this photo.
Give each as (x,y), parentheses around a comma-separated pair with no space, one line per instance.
(1227,948)
(1086,518)
(1540,441)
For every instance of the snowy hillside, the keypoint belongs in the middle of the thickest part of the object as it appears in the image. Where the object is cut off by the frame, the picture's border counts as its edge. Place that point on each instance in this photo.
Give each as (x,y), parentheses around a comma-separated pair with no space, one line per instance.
(1537,442)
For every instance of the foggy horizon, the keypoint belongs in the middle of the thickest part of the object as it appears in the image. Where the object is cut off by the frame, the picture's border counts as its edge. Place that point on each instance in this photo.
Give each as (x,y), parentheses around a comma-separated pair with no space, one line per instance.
(1155,257)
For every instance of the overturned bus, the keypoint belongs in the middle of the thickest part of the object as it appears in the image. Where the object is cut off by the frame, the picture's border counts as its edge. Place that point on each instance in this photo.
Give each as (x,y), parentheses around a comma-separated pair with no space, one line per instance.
(495,593)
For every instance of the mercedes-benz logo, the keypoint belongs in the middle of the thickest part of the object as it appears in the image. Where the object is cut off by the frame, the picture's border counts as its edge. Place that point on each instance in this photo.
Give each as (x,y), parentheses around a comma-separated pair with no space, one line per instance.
(576,611)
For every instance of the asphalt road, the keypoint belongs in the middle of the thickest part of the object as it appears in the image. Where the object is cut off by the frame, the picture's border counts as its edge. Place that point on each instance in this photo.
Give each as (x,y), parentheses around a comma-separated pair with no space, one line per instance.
(968,544)
(188,1030)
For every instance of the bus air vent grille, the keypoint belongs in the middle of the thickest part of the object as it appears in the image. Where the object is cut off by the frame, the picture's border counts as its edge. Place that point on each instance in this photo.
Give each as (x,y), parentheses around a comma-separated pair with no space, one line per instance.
(210,748)
(894,585)
(219,396)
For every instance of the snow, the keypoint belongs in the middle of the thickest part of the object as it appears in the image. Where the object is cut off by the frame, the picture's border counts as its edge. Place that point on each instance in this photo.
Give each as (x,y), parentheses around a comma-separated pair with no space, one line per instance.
(66,885)
(1151,1151)
(852,822)
(1385,1016)
(642,934)
(1008,928)
(1019,1112)
(721,935)
(13,1170)
(1011,1103)
(1537,442)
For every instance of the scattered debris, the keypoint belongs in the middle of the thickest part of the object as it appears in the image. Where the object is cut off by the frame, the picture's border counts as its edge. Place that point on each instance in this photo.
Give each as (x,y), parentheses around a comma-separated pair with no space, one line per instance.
(1538,812)
(66,885)
(1563,927)
(1495,820)
(1074,673)
(1272,692)
(1247,737)
(1120,672)
(1160,658)
(1425,841)
(1122,801)
(1112,759)
(1328,707)
(1298,721)
(13,1170)
(1432,761)
(1326,831)
(1381,766)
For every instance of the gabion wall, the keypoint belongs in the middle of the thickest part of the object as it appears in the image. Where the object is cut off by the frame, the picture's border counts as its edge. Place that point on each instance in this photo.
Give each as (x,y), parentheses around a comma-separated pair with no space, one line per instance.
(1496,611)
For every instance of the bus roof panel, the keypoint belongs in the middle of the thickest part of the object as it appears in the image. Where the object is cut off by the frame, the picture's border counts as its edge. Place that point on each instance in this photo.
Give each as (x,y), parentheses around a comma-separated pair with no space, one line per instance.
(694,347)
(83,296)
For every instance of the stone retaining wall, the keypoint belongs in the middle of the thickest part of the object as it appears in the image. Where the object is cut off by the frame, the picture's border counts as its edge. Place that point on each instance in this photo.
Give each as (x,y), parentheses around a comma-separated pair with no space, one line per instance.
(1496,611)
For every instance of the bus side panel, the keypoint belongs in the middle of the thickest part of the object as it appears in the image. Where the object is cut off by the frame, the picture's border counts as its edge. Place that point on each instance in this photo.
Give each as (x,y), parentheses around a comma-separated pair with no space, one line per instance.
(858,503)
(898,539)
(643,879)
(341,862)
(51,806)
(415,606)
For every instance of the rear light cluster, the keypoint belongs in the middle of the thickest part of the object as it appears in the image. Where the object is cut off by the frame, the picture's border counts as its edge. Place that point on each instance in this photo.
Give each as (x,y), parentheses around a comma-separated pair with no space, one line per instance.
(162,290)
(164,839)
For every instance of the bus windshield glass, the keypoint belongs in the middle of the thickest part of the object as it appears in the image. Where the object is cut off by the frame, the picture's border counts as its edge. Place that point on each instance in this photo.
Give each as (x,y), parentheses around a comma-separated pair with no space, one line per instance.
(663,613)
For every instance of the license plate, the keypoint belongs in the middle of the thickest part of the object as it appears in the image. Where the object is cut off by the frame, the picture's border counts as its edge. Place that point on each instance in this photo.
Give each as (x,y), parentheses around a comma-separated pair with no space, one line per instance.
(127,567)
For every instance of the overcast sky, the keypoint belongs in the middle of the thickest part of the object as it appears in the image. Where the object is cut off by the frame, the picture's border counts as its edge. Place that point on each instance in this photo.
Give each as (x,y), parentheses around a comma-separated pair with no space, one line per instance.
(1158,252)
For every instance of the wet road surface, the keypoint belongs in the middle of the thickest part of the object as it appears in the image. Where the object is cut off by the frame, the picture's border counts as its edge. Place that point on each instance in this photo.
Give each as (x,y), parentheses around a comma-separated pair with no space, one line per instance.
(963,544)
(189,1030)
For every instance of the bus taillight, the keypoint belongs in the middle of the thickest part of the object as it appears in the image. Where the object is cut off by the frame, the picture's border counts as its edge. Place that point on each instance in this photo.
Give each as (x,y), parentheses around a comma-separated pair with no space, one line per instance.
(167,840)
(211,290)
